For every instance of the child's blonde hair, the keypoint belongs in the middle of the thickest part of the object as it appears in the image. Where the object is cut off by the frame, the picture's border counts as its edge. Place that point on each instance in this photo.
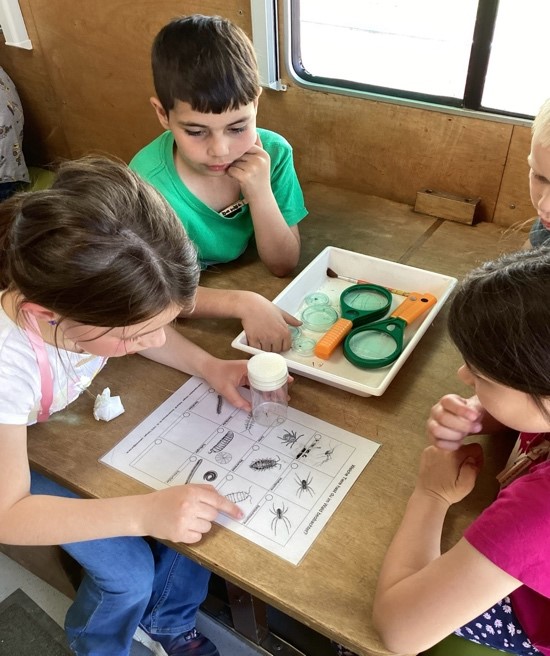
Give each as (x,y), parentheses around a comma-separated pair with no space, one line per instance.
(541,125)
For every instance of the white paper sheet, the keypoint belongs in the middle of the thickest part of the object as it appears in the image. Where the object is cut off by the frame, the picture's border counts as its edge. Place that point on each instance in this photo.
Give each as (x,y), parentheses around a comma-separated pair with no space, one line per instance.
(288,478)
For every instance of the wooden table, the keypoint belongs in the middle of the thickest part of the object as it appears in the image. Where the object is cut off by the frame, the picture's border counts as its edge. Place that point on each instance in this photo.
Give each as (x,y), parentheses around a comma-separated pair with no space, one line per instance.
(332,589)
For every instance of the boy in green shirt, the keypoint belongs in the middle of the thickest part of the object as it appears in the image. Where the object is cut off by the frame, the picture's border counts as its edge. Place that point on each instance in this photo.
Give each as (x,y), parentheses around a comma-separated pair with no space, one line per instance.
(226,179)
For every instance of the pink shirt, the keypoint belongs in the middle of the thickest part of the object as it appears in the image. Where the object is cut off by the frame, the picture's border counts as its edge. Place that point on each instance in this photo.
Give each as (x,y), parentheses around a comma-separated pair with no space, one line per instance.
(514,534)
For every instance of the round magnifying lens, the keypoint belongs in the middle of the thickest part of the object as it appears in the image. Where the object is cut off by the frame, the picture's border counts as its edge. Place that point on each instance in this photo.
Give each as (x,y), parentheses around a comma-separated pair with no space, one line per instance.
(368,347)
(317,298)
(365,300)
(319,318)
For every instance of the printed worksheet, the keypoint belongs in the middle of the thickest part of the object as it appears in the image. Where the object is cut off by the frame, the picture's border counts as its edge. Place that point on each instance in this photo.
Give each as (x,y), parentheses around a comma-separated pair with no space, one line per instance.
(288,478)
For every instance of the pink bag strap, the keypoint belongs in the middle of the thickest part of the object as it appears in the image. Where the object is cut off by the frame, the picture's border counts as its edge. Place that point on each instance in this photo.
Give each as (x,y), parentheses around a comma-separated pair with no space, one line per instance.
(46,379)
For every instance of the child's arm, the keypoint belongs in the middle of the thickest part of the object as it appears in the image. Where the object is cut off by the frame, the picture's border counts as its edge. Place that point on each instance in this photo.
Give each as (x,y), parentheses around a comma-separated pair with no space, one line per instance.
(265,325)
(225,376)
(423,596)
(181,513)
(453,418)
(278,243)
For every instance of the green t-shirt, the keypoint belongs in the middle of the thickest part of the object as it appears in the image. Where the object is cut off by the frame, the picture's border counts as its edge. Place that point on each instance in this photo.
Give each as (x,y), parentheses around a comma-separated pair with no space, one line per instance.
(220,239)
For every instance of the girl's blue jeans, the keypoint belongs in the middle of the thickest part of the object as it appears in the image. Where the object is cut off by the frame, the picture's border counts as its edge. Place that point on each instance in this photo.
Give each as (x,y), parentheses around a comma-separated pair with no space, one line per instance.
(128,582)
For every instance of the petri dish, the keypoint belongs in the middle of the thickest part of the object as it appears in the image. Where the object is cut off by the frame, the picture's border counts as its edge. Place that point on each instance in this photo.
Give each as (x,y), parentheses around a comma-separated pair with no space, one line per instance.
(295,332)
(303,345)
(319,318)
(317,298)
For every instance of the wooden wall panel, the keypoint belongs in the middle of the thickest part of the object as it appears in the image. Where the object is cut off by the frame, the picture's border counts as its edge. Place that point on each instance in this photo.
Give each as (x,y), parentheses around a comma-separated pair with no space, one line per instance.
(44,136)
(389,150)
(98,57)
(86,85)
(514,204)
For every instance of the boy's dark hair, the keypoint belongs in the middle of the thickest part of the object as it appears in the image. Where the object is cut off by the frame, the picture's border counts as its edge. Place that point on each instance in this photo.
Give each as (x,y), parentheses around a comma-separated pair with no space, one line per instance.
(206,61)
(499,319)
(101,247)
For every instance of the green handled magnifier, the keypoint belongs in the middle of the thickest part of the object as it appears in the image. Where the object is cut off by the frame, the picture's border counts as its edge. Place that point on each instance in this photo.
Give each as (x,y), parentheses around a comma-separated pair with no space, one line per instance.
(379,344)
(360,304)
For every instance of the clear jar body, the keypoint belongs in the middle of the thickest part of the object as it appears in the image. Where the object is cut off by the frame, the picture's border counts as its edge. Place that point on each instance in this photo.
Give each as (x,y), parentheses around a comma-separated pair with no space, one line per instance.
(269,406)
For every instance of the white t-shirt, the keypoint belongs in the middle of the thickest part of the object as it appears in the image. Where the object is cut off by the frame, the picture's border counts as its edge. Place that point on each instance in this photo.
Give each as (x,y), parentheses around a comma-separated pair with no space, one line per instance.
(20,384)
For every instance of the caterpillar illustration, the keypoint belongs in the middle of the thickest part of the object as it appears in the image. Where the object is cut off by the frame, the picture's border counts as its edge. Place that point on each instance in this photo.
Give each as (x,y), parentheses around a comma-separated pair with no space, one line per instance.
(220,446)
(265,463)
(237,497)
(219,405)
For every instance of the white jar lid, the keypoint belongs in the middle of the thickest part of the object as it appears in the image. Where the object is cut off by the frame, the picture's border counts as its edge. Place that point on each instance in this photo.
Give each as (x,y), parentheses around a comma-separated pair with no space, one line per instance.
(267,371)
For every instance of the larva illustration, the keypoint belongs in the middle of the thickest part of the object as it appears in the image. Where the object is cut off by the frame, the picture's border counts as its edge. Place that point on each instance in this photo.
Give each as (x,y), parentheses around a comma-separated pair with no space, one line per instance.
(220,446)
(237,497)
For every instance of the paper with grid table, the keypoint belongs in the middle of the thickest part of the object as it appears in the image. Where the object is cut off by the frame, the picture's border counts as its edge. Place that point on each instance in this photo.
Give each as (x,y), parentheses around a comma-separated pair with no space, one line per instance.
(288,478)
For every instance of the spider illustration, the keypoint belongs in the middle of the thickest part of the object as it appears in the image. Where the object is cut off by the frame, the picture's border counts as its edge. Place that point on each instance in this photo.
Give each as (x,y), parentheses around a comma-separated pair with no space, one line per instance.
(290,438)
(279,517)
(304,485)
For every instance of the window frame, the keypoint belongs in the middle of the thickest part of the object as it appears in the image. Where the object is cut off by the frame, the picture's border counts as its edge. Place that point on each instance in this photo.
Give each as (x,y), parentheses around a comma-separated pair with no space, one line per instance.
(470,105)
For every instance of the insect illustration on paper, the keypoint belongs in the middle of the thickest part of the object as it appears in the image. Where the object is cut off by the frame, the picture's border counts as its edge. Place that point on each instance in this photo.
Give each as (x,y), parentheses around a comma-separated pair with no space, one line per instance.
(223,458)
(193,470)
(279,518)
(324,457)
(289,438)
(249,423)
(221,444)
(219,405)
(238,497)
(306,449)
(304,485)
(262,464)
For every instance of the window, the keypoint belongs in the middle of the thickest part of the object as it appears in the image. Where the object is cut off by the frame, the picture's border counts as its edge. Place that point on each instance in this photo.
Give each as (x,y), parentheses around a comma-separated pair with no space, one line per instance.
(482,55)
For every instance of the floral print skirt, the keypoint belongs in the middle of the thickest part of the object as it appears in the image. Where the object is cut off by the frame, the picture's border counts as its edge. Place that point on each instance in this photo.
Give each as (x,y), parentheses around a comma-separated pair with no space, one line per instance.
(499,628)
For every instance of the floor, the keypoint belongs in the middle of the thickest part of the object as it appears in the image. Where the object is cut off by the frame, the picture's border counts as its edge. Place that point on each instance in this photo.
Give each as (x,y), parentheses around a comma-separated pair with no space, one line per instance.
(13,576)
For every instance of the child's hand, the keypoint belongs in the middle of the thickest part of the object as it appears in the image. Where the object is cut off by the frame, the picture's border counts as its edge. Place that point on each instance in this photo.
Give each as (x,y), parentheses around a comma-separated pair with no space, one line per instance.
(449,475)
(452,419)
(266,325)
(253,173)
(183,513)
(225,376)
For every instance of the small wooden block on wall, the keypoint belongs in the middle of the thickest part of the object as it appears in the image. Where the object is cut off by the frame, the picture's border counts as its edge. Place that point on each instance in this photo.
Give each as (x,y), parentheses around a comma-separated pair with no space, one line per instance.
(446,206)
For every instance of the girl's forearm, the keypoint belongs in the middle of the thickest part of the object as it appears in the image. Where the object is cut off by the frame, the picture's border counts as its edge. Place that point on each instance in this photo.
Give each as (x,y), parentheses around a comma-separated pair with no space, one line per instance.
(45,520)
(181,354)
(414,546)
(222,303)
(417,541)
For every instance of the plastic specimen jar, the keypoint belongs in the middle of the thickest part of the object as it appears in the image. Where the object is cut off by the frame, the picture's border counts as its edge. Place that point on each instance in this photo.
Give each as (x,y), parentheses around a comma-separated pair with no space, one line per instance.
(268,378)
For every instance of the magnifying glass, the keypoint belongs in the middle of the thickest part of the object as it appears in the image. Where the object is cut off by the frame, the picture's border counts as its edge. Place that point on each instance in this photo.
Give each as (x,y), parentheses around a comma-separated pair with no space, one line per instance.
(381,343)
(360,304)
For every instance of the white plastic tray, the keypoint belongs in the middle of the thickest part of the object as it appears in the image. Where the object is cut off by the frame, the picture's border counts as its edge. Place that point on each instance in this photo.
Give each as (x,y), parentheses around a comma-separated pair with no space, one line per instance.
(337,371)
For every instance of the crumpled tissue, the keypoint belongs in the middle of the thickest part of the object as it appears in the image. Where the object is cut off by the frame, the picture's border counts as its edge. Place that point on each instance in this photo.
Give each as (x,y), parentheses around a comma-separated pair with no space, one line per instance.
(107,407)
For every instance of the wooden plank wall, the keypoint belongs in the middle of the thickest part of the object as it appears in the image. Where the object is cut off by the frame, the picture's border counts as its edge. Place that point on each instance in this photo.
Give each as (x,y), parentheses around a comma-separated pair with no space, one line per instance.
(85,88)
